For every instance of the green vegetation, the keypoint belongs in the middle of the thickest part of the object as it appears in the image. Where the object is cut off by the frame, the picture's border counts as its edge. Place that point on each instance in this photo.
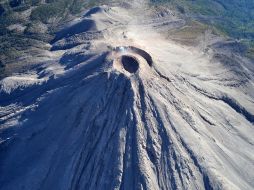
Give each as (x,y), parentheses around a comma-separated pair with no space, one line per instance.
(45,12)
(234,17)
(250,51)
(189,33)
(26,23)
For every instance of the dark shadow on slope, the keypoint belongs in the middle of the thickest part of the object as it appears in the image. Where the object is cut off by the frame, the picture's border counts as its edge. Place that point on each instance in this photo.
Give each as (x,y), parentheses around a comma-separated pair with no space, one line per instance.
(29,95)
(82,26)
(83,39)
(92,11)
(70,60)
(238,108)
(97,109)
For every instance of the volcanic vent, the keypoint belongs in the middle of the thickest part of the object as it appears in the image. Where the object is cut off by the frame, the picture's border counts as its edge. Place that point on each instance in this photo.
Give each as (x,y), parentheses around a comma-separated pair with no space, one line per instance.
(130,59)
(129,63)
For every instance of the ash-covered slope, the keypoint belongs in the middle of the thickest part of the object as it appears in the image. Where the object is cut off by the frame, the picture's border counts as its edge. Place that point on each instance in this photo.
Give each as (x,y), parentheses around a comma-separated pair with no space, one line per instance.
(120,106)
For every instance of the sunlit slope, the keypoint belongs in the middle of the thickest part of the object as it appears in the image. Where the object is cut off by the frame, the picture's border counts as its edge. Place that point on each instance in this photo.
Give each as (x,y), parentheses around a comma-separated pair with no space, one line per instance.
(118,105)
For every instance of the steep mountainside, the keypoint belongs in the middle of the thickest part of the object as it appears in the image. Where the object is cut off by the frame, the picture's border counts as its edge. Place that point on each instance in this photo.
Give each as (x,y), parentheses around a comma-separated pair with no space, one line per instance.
(129,98)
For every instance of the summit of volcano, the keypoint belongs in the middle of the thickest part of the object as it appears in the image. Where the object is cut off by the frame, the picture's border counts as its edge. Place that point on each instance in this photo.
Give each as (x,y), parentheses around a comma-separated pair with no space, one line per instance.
(117,102)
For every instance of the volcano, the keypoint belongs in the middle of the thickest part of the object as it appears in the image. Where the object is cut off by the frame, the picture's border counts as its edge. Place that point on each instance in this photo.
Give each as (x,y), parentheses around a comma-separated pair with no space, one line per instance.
(120,105)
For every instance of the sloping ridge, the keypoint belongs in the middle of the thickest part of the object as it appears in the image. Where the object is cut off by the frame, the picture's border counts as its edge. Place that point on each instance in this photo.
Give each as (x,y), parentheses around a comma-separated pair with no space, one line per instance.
(75,28)
(110,135)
